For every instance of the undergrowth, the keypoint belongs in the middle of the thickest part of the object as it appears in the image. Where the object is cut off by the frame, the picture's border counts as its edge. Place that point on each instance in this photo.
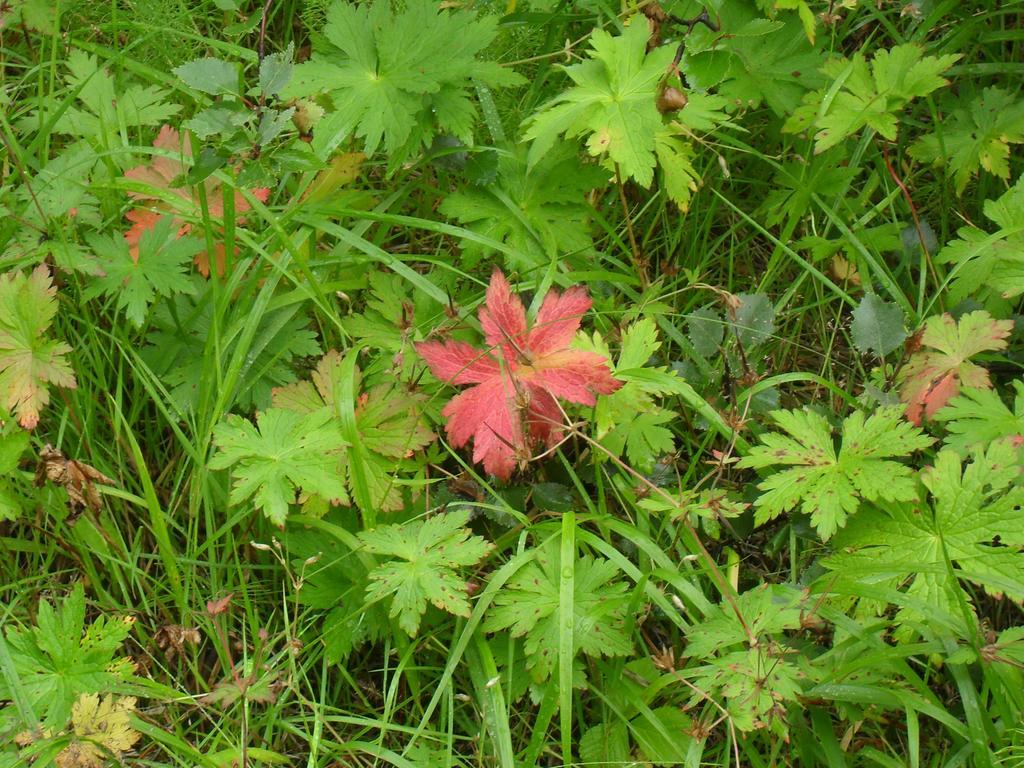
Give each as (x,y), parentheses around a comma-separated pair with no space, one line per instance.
(433,385)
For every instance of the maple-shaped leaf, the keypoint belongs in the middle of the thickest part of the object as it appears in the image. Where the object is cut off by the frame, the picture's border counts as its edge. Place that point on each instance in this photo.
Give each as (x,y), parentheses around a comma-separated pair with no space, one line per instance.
(977,417)
(101,730)
(829,483)
(977,135)
(176,346)
(156,185)
(752,677)
(540,212)
(398,78)
(30,361)
(931,378)
(61,658)
(103,106)
(529,605)
(159,267)
(629,420)
(428,553)
(284,453)
(990,262)
(973,522)
(517,379)
(613,103)
(870,95)
(388,419)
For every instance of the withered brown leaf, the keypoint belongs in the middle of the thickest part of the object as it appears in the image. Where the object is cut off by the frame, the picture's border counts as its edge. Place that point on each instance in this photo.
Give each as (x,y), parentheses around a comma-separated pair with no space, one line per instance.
(172,639)
(78,478)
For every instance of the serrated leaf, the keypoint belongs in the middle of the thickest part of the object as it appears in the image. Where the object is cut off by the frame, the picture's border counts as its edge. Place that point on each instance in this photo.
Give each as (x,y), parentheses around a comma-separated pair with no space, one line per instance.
(529,605)
(873,95)
(371,61)
(210,75)
(753,321)
(276,71)
(977,417)
(993,262)
(706,330)
(829,484)
(61,658)
(931,378)
(430,552)
(973,519)
(877,326)
(30,361)
(976,136)
(518,377)
(612,104)
(160,268)
(283,454)
(101,729)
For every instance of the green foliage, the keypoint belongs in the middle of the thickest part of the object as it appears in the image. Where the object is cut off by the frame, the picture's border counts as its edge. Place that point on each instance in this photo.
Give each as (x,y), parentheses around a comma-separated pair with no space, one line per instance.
(529,606)
(977,417)
(931,546)
(62,657)
(612,103)
(977,135)
(629,421)
(869,96)
(540,212)
(388,422)
(373,64)
(990,263)
(30,361)
(829,483)
(427,553)
(743,658)
(877,326)
(159,269)
(13,443)
(283,454)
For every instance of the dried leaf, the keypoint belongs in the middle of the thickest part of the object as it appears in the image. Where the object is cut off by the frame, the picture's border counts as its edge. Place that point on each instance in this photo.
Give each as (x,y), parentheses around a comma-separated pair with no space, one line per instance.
(102,730)
(78,478)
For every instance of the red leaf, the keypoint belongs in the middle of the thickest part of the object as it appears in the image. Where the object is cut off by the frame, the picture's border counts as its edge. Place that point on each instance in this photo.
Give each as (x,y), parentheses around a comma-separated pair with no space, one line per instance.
(160,173)
(932,378)
(512,406)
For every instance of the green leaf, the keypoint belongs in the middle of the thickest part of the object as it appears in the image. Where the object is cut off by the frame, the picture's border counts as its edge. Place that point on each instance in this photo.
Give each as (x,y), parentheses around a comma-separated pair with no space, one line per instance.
(30,361)
(276,71)
(428,552)
(993,262)
(877,326)
(753,321)
(398,79)
(61,658)
(675,158)
(284,454)
(161,268)
(742,661)
(529,606)
(13,443)
(388,421)
(613,104)
(706,330)
(972,506)
(177,347)
(541,212)
(977,135)
(213,76)
(977,417)
(828,484)
(875,95)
